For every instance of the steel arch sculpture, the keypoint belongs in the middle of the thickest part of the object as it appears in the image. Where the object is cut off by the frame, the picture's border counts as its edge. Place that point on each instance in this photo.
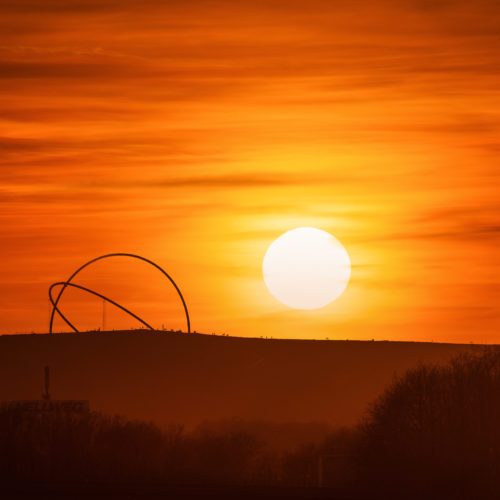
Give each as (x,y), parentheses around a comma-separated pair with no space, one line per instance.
(68,283)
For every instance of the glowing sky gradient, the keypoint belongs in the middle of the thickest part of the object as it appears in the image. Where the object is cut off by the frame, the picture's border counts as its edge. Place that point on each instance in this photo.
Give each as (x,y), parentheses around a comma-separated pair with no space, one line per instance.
(196,132)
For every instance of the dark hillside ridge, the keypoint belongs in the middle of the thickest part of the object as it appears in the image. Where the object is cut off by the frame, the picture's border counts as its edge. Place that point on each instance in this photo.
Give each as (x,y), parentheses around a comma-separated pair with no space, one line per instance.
(189,378)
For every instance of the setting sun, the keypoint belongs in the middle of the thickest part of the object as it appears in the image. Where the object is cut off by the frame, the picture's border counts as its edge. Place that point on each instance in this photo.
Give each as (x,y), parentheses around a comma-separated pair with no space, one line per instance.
(306,268)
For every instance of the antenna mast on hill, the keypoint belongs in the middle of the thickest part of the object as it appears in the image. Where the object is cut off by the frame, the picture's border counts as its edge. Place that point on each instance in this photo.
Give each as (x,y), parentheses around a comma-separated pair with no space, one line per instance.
(103,315)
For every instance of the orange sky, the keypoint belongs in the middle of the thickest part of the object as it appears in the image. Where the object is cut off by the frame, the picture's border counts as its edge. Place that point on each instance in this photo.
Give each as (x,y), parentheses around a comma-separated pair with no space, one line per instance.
(196,132)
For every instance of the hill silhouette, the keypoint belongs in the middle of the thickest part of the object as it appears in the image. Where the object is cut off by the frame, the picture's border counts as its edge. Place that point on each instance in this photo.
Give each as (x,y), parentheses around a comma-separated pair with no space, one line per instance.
(169,377)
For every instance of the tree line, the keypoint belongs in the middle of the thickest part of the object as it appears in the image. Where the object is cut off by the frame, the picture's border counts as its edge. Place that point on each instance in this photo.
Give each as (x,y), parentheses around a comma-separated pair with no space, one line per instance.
(434,429)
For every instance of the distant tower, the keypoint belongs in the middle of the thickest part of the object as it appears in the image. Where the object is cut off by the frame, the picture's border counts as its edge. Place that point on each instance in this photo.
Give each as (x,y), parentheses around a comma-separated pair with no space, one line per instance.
(103,315)
(47,404)
(46,394)
(50,309)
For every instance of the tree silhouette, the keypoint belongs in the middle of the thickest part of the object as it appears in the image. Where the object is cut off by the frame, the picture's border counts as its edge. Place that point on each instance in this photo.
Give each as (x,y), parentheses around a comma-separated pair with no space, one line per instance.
(438,428)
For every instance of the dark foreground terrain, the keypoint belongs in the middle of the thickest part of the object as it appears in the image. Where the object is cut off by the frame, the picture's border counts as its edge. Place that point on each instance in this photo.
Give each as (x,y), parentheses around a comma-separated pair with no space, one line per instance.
(432,433)
(87,492)
(180,378)
(228,493)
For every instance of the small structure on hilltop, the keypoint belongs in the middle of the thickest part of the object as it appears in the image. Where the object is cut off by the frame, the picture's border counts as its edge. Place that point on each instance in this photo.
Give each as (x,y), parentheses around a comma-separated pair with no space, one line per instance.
(47,404)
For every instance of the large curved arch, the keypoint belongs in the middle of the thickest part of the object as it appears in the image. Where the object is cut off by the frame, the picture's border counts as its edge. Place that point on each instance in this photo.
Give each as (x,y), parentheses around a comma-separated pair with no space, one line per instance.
(67,283)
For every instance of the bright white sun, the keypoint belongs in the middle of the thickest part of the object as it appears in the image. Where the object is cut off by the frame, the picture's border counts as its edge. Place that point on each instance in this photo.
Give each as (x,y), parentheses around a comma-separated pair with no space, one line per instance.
(306,268)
